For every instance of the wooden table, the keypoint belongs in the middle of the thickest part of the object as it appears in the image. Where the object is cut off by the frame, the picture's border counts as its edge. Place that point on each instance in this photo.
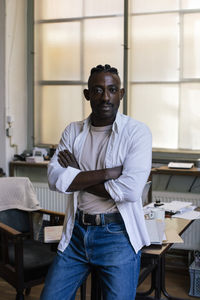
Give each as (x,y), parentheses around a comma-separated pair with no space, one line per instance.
(157,257)
(164,170)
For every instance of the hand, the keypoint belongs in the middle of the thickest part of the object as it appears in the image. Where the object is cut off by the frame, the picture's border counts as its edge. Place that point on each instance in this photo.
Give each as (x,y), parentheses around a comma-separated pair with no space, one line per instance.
(67,159)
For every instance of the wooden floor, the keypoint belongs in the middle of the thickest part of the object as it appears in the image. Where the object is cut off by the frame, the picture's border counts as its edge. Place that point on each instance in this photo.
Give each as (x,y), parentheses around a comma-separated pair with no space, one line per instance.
(177,284)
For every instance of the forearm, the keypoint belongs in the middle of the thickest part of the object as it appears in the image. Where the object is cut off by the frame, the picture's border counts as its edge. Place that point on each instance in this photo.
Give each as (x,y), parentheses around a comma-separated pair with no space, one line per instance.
(98,190)
(89,179)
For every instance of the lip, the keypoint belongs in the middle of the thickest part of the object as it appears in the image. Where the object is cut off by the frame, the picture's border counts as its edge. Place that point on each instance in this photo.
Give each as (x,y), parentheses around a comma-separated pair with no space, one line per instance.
(105,107)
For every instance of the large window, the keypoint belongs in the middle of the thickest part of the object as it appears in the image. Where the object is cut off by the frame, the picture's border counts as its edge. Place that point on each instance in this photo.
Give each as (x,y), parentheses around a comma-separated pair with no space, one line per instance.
(162,64)
(70,38)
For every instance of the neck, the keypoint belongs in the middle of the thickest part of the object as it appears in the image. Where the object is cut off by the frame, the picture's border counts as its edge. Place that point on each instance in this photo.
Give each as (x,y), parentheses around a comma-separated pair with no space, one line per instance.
(101,122)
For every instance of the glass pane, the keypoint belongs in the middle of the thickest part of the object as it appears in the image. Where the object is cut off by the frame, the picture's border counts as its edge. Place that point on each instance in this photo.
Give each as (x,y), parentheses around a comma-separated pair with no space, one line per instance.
(190,116)
(103,43)
(190,4)
(155,47)
(157,106)
(58,51)
(191,57)
(54,9)
(55,108)
(103,7)
(153,5)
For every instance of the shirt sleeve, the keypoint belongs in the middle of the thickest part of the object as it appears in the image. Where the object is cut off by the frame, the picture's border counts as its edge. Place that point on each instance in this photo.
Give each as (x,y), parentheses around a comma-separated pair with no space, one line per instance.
(60,178)
(136,168)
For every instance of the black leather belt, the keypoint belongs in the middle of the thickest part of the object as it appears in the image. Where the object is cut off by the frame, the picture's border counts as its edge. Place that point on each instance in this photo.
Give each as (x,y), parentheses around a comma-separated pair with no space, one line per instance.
(99,219)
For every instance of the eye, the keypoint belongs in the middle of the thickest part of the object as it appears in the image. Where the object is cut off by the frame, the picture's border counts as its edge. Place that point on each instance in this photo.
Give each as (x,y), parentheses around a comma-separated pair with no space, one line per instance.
(113,89)
(98,90)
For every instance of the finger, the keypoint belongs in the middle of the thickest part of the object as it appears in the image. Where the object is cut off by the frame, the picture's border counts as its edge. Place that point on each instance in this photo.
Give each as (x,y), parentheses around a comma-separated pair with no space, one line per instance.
(69,155)
(63,158)
(61,163)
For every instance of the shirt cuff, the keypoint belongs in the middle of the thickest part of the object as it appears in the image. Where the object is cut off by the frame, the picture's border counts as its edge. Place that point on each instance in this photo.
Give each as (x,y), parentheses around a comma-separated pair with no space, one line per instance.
(66,178)
(114,191)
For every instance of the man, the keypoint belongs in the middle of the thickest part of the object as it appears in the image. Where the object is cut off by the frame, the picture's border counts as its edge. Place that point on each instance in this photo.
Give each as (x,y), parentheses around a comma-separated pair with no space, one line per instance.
(104,162)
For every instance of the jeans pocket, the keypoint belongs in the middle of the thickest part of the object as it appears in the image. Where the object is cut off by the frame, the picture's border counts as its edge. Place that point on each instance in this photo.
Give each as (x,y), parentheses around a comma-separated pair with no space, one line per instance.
(116,228)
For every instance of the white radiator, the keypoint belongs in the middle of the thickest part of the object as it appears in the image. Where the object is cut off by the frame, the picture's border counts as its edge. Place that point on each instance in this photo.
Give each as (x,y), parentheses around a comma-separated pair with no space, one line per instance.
(191,236)
(49,199)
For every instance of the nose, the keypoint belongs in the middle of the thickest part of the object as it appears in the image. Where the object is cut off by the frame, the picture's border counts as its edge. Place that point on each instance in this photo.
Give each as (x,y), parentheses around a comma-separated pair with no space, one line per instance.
(105,96)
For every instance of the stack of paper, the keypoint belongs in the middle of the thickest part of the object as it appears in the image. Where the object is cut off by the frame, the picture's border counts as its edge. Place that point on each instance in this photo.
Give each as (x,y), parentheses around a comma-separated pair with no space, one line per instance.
(176,206)
(188,213)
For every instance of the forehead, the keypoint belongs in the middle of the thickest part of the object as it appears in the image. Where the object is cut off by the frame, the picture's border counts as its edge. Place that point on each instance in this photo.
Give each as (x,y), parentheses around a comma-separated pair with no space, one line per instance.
(103,79)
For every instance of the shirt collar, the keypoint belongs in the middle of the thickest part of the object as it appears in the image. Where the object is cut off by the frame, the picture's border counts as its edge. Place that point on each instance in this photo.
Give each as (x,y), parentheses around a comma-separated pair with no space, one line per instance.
(115,126)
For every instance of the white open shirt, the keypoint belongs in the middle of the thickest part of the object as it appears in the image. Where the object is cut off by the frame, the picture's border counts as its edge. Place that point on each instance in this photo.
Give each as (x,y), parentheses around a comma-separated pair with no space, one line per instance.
(130,145)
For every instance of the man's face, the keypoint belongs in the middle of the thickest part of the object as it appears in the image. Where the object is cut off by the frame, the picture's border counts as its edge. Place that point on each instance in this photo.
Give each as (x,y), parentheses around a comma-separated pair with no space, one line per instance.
(104,94)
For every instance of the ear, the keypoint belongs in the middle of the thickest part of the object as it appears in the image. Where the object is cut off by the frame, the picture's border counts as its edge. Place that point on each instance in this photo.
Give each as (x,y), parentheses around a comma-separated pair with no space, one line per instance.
(122,92)
(86,94)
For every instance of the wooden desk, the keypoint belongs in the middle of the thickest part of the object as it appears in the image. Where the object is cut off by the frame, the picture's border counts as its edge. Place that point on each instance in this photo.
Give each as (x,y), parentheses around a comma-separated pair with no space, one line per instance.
(164,170)
(158,258)
(170,171)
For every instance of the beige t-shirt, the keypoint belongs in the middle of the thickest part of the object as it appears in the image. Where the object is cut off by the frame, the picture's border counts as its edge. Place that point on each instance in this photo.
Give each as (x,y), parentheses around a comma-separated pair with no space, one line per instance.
(93,158)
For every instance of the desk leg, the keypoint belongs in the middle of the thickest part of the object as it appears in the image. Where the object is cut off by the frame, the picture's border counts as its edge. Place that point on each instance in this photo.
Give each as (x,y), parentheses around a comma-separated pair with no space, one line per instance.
(157,279)
(163,288)
(155,284)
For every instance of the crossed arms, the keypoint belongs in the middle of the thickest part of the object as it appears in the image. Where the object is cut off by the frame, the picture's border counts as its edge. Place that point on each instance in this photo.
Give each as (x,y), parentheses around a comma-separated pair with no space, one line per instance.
(89,181)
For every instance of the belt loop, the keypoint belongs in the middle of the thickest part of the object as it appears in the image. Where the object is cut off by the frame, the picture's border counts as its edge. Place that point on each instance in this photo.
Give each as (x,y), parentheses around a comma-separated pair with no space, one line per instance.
(102,219)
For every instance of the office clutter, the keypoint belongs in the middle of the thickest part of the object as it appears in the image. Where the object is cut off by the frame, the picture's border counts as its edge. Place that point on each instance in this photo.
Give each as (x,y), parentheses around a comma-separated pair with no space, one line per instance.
(175,209)
(155,220)
(194,271)
(36,155)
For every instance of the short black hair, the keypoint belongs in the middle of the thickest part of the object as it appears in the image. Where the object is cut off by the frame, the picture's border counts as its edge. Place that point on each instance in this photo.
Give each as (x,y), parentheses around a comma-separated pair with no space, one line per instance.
(100,68)
(106,68)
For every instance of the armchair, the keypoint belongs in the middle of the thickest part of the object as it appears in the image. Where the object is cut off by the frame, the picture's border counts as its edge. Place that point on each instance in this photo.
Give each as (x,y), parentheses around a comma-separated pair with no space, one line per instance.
(24,257)
(24,261)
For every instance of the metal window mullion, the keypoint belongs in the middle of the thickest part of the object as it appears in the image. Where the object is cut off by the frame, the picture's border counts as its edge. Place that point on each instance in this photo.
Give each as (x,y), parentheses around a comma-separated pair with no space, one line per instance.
(65,20)
(181,49)
(30,74)
(182,11)
(60,82)
(82,54)
(125,59)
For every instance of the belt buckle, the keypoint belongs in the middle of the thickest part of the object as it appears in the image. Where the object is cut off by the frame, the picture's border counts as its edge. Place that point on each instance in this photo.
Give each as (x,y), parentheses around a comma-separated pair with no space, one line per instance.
(83,220)
(97,220)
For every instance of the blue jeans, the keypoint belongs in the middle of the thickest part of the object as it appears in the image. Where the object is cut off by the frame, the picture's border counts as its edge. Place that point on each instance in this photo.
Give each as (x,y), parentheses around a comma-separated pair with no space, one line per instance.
(106,247)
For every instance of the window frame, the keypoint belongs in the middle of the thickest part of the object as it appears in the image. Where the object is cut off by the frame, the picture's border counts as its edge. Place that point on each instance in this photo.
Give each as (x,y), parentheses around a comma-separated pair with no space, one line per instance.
(160,154)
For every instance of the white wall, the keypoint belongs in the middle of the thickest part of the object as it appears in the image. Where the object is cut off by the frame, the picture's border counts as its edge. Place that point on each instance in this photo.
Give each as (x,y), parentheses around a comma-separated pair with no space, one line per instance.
(14,93)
